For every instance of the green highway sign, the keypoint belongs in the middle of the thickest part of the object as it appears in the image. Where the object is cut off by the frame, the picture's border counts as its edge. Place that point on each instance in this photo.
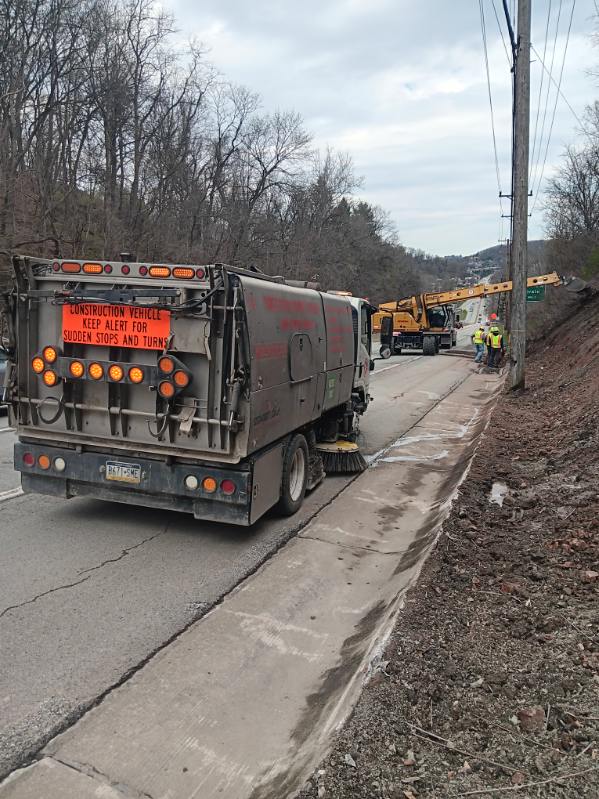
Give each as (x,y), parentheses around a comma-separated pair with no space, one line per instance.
(535,293)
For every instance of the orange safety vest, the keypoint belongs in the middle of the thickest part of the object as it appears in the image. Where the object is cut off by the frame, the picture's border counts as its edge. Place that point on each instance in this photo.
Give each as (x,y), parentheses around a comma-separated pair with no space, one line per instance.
(494,341)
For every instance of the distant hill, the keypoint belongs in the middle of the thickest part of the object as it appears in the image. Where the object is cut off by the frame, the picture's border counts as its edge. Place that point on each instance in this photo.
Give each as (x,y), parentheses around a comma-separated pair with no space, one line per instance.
(495,257)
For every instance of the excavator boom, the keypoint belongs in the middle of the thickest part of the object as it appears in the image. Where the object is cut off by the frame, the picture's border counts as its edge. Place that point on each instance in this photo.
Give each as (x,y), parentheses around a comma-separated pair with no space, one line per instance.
(427,321)
(434,299)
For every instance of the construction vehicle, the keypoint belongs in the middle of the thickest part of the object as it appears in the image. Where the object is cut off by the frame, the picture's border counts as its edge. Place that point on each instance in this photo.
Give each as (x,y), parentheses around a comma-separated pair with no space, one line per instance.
(206,389)
(429,321)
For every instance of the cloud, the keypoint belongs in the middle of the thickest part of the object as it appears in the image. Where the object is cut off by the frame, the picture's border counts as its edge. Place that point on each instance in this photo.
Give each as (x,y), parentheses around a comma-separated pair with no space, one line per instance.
(401,86)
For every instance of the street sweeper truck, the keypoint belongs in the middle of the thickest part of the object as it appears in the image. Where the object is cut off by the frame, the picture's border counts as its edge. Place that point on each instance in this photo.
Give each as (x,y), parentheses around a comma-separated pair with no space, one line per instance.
(213,390)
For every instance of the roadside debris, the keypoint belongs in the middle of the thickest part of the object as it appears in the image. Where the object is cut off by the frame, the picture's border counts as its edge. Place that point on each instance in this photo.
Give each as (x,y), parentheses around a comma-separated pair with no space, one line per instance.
(493,683)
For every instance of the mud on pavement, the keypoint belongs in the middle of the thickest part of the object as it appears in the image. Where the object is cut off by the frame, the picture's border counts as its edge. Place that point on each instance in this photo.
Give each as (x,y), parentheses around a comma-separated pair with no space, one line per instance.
(489,683)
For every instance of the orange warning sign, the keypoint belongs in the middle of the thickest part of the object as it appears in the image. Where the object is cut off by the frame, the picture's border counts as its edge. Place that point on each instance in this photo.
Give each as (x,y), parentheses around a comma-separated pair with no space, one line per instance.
(116,326)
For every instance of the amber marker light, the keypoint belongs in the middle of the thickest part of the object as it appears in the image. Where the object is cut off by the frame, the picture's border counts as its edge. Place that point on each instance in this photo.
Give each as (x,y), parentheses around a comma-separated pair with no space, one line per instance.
(136,374)
(76,369)
(50,354)
(160,271)
(209,485)
(183,273)
(37,364)
(181,379)
(166,364)
(50,378)
(96,371)
(43,462)
(70,266)
(92,269)
(166,389)
(116,372)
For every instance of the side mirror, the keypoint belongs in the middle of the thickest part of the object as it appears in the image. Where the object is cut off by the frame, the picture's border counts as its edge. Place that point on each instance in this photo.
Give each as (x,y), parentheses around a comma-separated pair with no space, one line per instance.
(371,364)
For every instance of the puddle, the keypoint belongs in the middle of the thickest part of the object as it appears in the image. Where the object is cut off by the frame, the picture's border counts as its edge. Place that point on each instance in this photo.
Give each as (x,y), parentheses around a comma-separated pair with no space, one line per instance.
(498,493)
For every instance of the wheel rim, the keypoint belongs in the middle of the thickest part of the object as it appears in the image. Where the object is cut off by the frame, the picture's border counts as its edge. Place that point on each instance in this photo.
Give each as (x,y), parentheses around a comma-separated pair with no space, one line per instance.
(296,474)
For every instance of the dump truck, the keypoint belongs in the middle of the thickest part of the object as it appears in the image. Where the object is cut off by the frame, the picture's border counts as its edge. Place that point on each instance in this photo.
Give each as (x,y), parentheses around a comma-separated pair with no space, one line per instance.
(428,322)
(203,389)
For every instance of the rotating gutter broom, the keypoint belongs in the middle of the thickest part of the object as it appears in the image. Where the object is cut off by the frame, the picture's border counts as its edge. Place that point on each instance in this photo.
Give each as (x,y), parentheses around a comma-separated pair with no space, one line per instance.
(341,457)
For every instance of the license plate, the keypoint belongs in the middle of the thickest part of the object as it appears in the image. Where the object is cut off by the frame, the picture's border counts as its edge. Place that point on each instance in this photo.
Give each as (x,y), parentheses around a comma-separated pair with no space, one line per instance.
(123,472)
(116,326)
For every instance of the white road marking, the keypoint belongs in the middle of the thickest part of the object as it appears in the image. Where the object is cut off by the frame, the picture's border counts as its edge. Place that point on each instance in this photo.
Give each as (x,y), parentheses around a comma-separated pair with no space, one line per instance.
(7,429)
(11,494)
(376,372)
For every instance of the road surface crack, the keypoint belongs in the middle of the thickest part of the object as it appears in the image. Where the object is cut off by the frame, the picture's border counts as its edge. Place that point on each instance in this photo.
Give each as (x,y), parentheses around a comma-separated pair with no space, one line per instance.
(94,773)
(84,571)
(125,552)
(39,596)
(370,550)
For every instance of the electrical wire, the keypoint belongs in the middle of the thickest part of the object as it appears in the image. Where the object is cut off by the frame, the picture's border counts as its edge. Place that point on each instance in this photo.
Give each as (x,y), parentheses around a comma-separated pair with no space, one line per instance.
(534,138)
(583,127)
(507,55)
(485,49)
(535,166)
(557,94)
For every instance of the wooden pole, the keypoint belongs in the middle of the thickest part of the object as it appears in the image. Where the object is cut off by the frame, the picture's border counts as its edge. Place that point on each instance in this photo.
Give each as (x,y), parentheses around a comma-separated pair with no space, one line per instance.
(520,200)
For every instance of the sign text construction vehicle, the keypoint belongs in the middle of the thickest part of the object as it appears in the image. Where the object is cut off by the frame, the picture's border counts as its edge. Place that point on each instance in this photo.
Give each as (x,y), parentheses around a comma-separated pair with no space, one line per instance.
(202,389)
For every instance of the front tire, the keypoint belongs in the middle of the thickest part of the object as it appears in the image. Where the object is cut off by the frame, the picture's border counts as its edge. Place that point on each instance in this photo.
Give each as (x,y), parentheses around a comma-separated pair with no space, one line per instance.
(429,345)
(295,476)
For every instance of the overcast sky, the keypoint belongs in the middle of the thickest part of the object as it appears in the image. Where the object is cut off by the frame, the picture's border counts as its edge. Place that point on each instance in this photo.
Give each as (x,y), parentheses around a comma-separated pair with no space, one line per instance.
(400,85)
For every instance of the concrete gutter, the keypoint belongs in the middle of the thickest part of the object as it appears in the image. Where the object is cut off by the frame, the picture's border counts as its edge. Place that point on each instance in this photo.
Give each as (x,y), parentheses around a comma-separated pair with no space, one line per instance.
(243,703)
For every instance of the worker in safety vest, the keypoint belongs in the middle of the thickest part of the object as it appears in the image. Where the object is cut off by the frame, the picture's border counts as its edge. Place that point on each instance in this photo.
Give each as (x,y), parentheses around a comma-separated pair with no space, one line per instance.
(495,347)
(478,339)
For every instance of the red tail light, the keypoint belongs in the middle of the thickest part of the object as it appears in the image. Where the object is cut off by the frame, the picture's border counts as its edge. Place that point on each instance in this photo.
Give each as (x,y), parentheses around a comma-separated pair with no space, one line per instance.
(228,487)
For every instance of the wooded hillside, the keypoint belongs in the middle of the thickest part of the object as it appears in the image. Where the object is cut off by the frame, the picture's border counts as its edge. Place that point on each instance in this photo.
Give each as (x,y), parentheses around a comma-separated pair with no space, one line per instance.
(114,138)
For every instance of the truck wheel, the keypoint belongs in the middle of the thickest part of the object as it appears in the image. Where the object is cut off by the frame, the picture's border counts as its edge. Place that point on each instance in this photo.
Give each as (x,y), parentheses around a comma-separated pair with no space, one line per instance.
(295,476)
(385,352)
(429,345)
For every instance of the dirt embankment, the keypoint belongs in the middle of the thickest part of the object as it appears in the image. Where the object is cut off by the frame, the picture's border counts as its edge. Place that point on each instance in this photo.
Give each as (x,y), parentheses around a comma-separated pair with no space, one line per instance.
(490,682)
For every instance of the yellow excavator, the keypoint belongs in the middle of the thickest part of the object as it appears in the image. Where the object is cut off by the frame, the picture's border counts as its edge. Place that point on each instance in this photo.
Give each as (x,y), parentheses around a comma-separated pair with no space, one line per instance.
(429,322)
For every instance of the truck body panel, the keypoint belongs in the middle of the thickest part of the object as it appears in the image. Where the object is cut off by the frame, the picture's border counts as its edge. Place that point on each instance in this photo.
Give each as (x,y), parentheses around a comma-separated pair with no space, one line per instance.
(257,359)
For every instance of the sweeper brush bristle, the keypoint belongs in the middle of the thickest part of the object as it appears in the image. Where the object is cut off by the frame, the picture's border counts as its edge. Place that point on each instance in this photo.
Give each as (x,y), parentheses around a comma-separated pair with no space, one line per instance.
(342,457)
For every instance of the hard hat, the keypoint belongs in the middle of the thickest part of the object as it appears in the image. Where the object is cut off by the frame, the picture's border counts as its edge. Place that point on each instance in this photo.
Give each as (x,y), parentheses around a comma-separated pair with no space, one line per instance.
(494,329)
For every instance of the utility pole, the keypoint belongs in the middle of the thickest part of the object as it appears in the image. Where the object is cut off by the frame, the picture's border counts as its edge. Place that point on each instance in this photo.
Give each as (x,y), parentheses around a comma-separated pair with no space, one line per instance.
(520,200)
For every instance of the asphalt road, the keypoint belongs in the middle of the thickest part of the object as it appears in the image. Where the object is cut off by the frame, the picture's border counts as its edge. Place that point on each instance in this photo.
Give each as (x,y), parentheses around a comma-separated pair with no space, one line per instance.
(89,590)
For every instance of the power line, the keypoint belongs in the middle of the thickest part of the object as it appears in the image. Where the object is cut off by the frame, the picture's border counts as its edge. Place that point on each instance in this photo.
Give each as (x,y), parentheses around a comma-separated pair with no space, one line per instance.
(507,55)
(584,129)
(559,85)
(534,138)
(484,37)
(534,168)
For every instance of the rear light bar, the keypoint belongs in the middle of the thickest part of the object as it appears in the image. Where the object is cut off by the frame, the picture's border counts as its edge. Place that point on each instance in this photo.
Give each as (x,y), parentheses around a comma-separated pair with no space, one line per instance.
(170,375)
(210,486)
(155,271)
(44,462)
(77,369)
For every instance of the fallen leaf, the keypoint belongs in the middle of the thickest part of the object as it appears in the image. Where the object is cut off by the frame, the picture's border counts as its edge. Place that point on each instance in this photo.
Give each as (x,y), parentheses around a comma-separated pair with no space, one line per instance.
(350,761)
(518,778)
(532,719)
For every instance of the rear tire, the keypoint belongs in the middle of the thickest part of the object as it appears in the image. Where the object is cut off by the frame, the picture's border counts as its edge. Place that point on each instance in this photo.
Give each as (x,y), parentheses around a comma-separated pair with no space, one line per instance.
(295,476)
(385,352)
(429,345)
